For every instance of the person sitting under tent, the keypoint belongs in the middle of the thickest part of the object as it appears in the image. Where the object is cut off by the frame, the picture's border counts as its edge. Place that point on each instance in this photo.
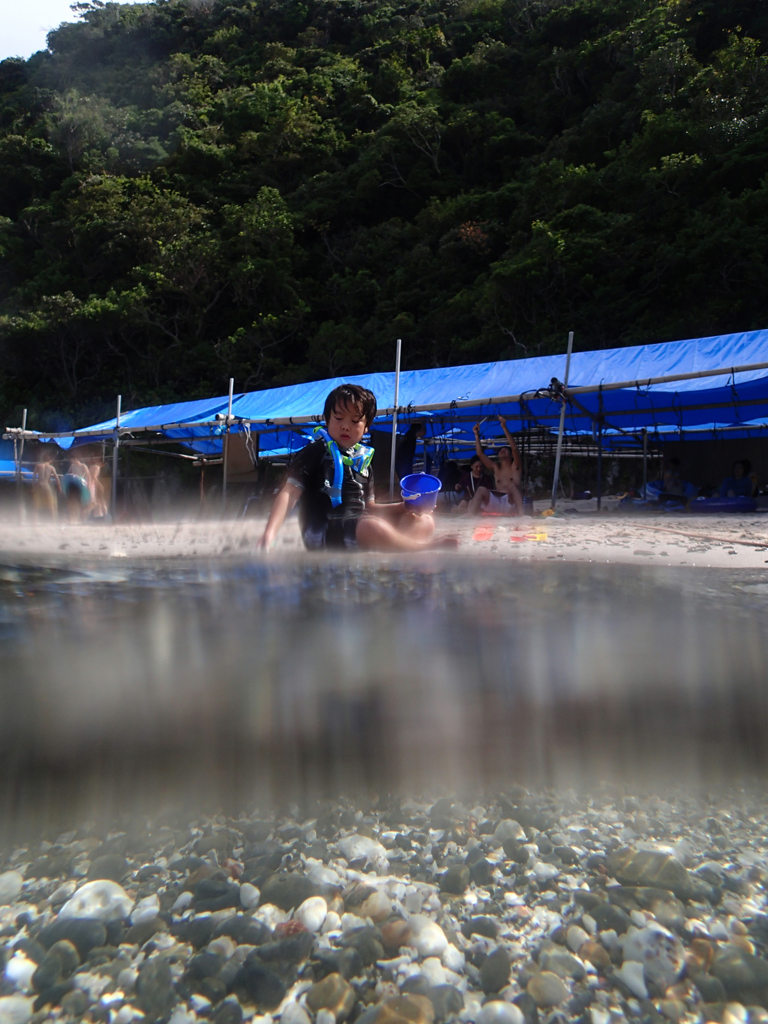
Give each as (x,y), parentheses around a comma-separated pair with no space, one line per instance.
(471,482)
(672,481)
(46,487)
(332,480)
(670,488)
(741,482)
(506,495)
(449,474)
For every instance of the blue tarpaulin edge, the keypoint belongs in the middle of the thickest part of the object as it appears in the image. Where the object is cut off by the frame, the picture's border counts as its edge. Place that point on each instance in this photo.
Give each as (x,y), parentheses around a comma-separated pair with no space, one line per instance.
(726,399)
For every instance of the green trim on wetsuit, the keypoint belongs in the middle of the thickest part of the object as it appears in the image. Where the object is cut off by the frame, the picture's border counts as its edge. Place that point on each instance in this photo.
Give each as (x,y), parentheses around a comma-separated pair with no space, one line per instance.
(360,459)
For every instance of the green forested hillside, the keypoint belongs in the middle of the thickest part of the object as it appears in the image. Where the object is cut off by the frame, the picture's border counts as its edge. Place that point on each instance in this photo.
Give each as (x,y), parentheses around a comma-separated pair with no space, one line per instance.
(197,189)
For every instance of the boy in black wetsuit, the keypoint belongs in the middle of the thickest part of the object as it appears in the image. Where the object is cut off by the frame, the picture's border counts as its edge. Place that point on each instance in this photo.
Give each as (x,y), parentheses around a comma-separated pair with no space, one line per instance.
(332,480)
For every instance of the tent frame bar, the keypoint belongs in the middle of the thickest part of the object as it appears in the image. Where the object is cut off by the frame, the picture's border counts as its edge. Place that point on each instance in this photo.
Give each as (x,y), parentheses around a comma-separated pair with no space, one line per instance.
(561,429)
(115,465)
(17,433)
(393,450)
(469,403)
(225,446)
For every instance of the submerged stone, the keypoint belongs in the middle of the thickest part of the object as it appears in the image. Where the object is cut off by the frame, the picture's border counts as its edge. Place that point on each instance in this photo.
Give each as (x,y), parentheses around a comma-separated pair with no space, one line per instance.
(287,890)
(413,1008)
(291,951)
(15,1009)
(112,866)
(446,1001)
(83,933)
(651,868)
(230,1012)
(312,913)
(743,975)
(455,880)
(367,942)
(198,931)
(346,962)
(99,901)
(494,972)
(607,917)
(243,929)
(485,926)
(47,974)
(562,963)
(547,989)
(659,950)
(481,872)
(154,988)
(427,937)
(11,883)
(263,986)
(332,993)
(74,1003)
(499,1012)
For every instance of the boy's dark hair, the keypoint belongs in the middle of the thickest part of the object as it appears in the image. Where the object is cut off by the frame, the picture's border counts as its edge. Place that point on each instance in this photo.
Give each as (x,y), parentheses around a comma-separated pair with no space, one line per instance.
(352,394)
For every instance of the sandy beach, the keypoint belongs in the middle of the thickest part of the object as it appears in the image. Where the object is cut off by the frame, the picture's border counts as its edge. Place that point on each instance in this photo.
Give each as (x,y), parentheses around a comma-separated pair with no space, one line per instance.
(578,533)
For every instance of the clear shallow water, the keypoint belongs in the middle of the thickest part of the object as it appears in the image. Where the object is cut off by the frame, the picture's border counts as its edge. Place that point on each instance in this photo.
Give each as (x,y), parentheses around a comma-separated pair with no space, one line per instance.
(234,683)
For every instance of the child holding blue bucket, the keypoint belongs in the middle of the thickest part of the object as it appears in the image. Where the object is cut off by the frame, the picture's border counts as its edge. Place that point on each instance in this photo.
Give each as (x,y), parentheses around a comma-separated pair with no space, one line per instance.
(332,480)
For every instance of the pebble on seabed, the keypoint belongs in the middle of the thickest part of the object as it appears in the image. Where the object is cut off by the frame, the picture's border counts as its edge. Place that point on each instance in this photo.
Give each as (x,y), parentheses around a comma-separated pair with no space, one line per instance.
(532,908)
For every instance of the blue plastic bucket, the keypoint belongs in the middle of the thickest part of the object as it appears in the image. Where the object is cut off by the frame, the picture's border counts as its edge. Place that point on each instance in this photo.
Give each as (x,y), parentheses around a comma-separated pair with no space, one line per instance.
(420,490)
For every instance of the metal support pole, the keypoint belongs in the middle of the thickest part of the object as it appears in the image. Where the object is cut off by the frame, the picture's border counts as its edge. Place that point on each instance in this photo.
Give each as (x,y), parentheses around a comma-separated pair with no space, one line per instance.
(600,421)
(115,447)
(226,445)
(556,480)
(394,421)
(20,465)
(600,456)
(645,462)
(21,445)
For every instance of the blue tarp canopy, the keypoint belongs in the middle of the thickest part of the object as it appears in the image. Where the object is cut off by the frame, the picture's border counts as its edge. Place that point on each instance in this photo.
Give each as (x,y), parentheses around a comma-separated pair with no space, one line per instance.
(718,381)
(161,416)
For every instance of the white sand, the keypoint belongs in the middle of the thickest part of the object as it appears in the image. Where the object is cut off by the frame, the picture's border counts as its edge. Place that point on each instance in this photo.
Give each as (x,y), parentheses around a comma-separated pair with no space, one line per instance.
(586,536)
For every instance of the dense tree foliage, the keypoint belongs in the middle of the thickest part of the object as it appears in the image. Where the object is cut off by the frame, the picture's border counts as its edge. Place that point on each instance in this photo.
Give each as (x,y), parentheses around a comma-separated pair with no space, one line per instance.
(197,189)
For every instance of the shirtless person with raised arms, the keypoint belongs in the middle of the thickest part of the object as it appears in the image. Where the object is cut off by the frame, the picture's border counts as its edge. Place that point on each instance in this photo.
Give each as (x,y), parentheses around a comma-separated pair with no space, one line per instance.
(507,475)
